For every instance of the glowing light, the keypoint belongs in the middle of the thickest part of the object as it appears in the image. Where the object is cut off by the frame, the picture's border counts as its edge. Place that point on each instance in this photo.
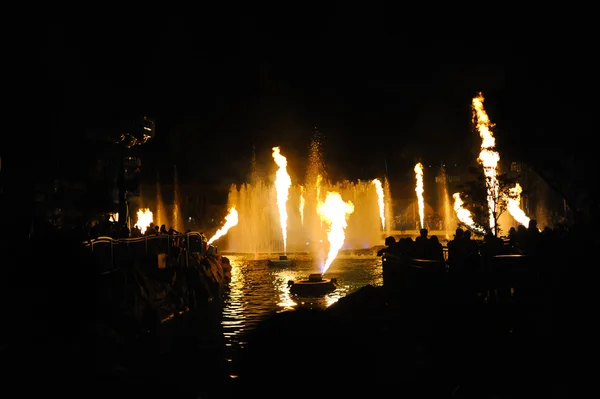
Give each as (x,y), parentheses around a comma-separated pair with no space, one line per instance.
(464,215)
(380,200)
(334,211)
(230,220)
(302,203)
(282,185)
(144,218)
(513,204)
(419,190)
(488,157)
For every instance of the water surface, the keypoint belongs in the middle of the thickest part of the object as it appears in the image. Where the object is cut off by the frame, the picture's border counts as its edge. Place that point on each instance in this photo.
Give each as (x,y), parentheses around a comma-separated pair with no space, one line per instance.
(258,290)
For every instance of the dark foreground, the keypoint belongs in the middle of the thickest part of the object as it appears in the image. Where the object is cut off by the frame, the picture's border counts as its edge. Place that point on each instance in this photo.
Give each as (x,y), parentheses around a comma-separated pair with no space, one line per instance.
(368,343)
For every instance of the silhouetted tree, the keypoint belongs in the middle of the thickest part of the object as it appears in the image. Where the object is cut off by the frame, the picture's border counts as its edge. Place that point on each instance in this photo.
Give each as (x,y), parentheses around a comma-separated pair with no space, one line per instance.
(474,194)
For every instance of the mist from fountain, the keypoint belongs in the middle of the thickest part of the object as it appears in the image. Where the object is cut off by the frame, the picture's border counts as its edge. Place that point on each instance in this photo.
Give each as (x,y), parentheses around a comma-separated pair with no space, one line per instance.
(450,222)
(390,223)
(177,216)
(160,216)
(259,230)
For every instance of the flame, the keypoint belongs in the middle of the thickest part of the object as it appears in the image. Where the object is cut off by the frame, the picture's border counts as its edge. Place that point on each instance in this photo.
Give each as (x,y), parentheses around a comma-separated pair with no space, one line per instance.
(380,200)
(113,217)
(144,218)
(419,190)
(302,205)
(513,204)
(282,185)
(230,220)
(464,215)
(488,157)
(334,211)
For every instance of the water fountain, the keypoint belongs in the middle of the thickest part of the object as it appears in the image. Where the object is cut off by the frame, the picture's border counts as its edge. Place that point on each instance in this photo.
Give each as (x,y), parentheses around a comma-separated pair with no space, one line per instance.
(450,223)
(259,229)
(390,224)
(161,214)
(177,217)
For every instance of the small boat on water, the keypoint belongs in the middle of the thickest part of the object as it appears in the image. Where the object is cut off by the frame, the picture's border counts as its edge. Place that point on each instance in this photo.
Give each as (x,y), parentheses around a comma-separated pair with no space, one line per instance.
(283,261)
(316,285)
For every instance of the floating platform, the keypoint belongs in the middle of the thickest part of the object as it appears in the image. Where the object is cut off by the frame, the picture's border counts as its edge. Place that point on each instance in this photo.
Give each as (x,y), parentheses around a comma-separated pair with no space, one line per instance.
(316,285)
(283,261)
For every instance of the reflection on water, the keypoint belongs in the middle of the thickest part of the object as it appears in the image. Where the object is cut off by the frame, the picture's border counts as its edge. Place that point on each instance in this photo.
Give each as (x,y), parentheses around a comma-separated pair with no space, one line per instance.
(257,290)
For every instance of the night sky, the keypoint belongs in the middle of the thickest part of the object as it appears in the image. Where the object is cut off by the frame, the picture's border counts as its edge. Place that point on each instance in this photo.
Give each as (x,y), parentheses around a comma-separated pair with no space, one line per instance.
(377,94)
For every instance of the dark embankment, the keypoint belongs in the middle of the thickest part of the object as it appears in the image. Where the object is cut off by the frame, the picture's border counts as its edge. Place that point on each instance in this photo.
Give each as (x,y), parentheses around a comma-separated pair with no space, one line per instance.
(414,345)
(71,331)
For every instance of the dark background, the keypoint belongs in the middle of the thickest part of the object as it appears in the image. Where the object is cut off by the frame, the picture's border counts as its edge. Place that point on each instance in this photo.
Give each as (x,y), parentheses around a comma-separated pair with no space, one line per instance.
(380,89)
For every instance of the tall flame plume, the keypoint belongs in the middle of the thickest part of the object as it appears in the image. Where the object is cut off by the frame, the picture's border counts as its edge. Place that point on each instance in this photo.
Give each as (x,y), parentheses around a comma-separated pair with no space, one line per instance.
(513,204)
(144,218)
(419,190)
(230,220)
(488,157)
(380,200)
(464,215)
(283,183)
(334,211)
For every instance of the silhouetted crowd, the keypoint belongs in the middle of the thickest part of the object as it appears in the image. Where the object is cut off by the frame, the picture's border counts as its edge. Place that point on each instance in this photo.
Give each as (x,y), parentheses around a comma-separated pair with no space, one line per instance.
(463,253)
(108,228)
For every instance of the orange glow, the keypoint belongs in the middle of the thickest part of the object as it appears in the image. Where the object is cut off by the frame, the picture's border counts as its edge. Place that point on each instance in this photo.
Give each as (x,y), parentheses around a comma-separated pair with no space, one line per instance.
(464,215)
(230,220)
(302,203)
(419,190)
(488,157)
(144,218)
(334,211)
(283,183)
(380,200)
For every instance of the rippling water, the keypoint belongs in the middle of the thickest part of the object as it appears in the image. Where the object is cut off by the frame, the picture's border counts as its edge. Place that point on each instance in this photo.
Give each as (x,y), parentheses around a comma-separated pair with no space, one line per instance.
(258,290)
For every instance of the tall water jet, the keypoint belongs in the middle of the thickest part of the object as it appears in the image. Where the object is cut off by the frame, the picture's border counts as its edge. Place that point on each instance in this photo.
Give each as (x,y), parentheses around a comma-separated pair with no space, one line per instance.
(259,229)
(301,205)
(160,217)
(314,176)
(177,217)
(253,169)
(450,224)
(390,223)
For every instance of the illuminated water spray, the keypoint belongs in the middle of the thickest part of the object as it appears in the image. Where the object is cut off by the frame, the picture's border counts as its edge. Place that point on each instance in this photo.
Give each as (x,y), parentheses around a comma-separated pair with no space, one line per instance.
(302,203)
(419,190)
(488,156)
(318,184)
(464,215)
(380,200)
(230,220)
(283,183)
(334,211)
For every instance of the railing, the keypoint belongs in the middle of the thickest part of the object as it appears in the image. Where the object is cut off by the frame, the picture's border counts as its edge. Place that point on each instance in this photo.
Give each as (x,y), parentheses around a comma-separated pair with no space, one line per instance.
(108,250)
